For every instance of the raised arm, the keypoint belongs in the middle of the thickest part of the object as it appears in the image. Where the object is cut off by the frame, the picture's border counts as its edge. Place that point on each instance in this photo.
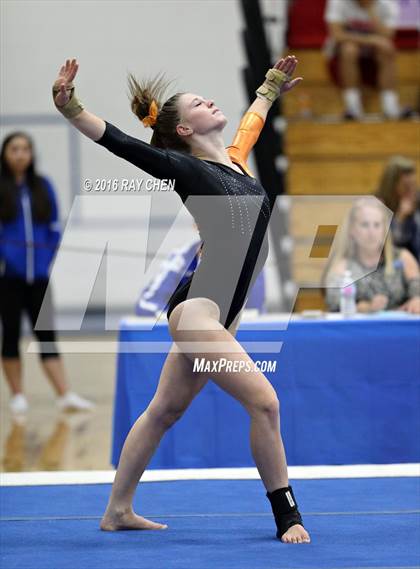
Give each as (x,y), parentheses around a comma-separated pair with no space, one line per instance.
(264,100)
(157,162)
(253,120)
(90,125)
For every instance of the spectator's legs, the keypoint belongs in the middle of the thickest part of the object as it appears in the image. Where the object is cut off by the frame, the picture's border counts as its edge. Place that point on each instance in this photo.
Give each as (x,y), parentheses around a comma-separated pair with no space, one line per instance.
(13,373)
(11,300)
(387,79)
(38,295)
(54,370)
(348,55)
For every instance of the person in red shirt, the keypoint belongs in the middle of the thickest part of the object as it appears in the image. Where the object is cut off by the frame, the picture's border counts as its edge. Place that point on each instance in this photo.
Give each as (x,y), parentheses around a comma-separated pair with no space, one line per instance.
(361,36)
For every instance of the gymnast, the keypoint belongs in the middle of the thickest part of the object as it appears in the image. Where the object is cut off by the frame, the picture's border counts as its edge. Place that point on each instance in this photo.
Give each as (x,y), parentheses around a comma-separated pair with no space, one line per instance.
(204,313)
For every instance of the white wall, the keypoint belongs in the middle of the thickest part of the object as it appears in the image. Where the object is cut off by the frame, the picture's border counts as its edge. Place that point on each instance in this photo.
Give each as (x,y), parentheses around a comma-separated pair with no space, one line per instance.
(196,41)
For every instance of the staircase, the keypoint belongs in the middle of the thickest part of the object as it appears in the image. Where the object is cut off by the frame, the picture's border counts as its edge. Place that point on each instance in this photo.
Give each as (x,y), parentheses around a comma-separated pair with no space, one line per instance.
(329,157)
(319,97)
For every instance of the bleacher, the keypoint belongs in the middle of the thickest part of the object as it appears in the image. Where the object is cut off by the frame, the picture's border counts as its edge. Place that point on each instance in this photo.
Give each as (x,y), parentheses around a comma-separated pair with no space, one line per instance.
(319,97)
(328,156)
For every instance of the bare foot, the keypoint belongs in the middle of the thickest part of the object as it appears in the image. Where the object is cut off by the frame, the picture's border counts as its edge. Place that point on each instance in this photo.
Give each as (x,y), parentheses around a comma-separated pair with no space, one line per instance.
(296,534)
(127,520)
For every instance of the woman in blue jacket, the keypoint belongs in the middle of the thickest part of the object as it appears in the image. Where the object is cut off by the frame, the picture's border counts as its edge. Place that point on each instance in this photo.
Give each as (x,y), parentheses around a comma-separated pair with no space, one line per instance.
(29,236)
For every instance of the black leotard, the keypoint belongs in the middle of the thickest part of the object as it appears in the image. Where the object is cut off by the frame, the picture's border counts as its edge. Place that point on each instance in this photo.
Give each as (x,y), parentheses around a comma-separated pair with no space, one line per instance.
(233,226)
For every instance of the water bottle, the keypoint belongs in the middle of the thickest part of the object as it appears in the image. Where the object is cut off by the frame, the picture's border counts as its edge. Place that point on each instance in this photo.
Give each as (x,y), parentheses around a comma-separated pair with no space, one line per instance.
(347,296)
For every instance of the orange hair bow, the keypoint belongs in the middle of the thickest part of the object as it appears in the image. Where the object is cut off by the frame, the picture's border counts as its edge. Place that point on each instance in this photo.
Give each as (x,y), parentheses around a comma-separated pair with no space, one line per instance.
(151,118)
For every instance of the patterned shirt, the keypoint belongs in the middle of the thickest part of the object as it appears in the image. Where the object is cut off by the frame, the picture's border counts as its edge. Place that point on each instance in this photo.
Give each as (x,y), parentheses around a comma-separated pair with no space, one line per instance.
(396,286)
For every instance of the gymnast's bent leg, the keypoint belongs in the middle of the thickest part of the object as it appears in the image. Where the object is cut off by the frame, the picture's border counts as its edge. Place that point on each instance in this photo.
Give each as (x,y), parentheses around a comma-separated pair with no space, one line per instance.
(178,385)
(200,328)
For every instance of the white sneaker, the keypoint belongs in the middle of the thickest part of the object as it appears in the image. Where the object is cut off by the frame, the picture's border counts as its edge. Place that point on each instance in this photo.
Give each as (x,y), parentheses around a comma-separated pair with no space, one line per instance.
(73,402)
(18,404)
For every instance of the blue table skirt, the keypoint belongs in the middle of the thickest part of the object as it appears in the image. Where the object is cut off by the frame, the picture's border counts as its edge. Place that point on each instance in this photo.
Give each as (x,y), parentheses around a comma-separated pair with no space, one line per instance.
(349,393)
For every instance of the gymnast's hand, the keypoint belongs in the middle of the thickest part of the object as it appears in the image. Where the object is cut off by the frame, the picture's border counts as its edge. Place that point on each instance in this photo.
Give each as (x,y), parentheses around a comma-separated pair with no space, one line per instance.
(288,66)
(63,83)
(278,80)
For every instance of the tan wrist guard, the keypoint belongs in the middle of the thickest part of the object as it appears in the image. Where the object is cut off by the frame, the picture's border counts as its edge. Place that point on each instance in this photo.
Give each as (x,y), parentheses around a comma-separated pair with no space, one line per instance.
(270,89)
(73,107)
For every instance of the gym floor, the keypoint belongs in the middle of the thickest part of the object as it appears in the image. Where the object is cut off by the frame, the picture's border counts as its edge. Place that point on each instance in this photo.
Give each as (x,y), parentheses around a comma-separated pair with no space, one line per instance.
(49,440)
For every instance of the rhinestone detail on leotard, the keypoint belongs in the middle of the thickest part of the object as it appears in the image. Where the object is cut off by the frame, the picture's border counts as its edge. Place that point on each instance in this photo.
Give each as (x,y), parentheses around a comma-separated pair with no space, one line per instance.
(236,188)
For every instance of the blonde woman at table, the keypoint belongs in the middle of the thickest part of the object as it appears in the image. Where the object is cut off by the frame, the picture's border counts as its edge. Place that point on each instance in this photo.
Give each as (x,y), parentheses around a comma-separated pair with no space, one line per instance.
(386,277)
(187,146)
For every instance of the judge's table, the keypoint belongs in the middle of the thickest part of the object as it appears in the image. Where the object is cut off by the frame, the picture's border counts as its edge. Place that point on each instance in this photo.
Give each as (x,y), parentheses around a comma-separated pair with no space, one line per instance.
(349,391)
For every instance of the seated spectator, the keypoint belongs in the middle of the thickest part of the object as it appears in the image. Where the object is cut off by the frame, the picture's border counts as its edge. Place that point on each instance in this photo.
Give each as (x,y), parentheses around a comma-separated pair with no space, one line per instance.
(361,44)
(174,271)
(386,277)
(399,192)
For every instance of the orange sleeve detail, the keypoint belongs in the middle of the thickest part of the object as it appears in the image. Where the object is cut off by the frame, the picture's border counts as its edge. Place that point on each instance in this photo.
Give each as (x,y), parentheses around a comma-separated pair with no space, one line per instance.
(246,136)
